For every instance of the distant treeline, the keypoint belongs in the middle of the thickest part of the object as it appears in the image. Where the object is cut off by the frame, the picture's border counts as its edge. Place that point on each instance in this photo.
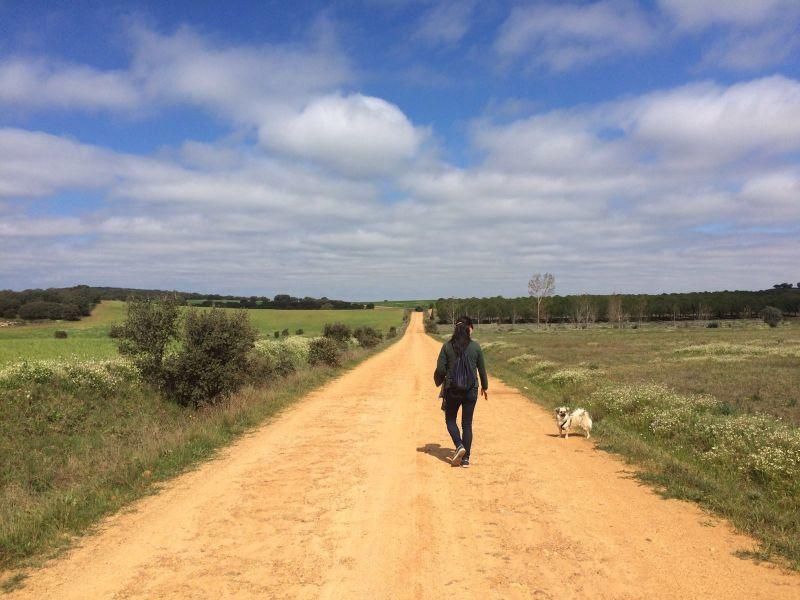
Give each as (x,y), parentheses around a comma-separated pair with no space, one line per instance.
(282,301)
(75,302)
(622,307)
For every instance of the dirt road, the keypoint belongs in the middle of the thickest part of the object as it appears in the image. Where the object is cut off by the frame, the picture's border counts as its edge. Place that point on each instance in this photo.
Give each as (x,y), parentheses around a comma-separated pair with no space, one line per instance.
(350,495)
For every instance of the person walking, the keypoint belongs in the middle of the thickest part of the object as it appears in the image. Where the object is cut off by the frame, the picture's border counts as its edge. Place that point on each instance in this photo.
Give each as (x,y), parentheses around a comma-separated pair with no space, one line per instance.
(458,360)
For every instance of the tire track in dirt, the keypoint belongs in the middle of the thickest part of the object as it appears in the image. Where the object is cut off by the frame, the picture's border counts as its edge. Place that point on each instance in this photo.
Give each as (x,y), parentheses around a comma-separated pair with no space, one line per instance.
(349,495)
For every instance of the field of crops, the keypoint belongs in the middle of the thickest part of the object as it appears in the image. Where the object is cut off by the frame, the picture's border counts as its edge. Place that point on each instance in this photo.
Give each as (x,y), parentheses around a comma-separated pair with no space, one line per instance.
(88,339)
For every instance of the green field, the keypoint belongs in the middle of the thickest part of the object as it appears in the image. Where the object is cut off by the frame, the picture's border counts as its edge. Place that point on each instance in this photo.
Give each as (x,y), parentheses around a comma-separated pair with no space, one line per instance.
(744,363)
(412,304)
(88,338)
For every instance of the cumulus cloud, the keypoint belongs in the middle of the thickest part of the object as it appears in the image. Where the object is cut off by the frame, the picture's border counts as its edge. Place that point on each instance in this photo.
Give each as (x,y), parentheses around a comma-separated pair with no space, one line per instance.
(563,36)
(629,191)
(714,125)
(287,94)
(355,133)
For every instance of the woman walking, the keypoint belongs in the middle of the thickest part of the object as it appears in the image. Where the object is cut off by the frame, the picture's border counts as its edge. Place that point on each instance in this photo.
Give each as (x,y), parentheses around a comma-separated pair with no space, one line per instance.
(458,360)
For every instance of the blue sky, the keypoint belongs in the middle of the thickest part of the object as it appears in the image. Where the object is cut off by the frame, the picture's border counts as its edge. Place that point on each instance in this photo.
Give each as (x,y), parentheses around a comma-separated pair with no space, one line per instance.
(385,148)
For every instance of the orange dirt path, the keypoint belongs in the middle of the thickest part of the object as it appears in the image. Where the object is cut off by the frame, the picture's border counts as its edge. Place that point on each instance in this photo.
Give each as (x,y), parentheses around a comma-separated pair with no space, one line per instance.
(350,495)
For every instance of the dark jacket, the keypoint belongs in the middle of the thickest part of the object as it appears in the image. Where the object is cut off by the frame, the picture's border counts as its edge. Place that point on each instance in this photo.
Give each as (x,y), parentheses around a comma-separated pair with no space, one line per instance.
(447,358)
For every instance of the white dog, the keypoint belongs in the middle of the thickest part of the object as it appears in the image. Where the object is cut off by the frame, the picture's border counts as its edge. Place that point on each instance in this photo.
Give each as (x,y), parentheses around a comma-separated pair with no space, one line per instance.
(569,420)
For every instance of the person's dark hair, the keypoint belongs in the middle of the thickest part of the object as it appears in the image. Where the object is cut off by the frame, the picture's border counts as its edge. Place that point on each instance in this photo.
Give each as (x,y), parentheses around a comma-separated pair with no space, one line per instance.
(461,337)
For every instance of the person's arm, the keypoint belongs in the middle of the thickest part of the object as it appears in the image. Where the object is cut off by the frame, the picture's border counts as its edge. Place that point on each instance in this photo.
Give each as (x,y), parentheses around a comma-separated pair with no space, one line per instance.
(441,367)
(482,373)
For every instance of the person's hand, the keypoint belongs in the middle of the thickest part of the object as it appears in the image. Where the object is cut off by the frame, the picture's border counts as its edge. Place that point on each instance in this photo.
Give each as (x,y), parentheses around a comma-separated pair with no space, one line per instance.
(485,393)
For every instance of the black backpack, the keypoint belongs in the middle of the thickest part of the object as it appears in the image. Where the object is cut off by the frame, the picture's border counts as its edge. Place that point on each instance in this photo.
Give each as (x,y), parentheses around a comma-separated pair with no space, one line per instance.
(462,375)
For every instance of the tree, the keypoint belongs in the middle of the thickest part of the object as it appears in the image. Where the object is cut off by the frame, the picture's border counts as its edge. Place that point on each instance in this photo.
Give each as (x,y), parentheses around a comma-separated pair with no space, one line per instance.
(150,328)
(641,308)
(616,315)
(584,311)
(541,286)
(451,310)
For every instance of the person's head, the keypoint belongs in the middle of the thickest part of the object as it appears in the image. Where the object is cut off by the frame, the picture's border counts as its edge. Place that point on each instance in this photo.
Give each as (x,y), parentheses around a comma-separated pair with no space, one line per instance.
(461,333)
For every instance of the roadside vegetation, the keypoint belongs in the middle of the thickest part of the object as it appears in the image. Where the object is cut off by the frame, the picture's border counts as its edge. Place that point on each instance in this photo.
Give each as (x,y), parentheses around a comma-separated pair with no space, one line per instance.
(708,414)
(79,438)
(88,339)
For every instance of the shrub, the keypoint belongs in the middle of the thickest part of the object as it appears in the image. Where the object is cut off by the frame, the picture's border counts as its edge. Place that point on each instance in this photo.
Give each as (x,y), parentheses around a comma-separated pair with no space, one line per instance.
(712,325)
(772,316)
(277,335)
(368,337)
(298,332)
(70,312)
(392,332)
(116,330)
(40,310)
(284,356)
(431,326)
(339,332)
(61,334)
(150,328)
(417,308)
(213,358)
(285,333)
(323,351)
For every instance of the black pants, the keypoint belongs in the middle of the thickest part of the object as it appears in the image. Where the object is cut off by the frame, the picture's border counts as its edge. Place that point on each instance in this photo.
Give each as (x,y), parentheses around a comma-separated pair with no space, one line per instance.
(467,404)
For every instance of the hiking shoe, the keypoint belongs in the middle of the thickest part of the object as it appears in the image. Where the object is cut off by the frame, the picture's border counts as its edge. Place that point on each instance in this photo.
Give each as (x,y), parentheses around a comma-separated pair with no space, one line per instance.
(465,462)
(459,455)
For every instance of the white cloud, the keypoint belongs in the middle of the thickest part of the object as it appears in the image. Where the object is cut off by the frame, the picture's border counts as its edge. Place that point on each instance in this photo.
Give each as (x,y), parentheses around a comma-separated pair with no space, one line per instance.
(693,14)
(709,125)
(669,190)
(355,133)
(563,36)
(34,164)
(37,83)
(445,23)
(755,33)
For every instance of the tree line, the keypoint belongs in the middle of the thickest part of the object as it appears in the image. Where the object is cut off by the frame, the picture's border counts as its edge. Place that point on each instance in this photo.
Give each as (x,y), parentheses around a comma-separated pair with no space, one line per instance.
(75,302)
(617,308)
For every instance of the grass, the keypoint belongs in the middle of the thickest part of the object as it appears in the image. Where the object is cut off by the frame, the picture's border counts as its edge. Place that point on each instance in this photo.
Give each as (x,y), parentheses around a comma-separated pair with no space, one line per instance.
(707,415)
(72,454)
(88,338)
(412,304)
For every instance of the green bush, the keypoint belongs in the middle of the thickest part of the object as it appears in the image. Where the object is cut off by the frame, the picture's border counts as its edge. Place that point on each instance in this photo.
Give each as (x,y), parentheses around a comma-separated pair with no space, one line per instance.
(338,332)
(148,331)
(368,337)
(61,334)
(116,330)
(712,325)
(285,333)
(431,326)
(392,332)
(277,335)
(772,316)
(213,358)
(324,351)
(299,332)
